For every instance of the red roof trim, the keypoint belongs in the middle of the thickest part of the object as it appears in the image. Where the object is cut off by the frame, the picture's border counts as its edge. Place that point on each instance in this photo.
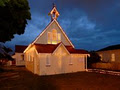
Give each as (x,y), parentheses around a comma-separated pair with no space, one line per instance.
(50,48)
(20,48)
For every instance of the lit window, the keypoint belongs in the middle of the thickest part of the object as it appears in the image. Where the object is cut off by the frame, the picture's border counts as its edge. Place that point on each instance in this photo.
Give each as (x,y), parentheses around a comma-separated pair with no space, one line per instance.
(47,60)
(59,37)
(112,57)
(54,37)
(49,37)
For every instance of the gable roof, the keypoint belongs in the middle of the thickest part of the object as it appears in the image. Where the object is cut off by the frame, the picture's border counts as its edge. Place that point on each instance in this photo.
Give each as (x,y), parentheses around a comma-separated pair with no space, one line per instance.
(20,48)
(50,48)
(76,51)
(48,27)
(63,47)
(45,48)
(113,47)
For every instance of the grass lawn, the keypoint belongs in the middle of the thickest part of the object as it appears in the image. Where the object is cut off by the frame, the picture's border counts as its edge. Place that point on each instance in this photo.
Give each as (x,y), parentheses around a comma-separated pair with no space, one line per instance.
(18,78)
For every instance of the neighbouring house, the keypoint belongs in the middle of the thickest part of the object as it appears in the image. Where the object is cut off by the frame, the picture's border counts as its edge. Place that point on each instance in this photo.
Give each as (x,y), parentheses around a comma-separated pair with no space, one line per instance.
(110,53)
(52,52)
(19,56)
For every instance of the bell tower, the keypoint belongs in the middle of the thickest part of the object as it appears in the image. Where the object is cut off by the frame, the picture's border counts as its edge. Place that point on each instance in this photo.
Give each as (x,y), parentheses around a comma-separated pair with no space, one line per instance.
(54,13)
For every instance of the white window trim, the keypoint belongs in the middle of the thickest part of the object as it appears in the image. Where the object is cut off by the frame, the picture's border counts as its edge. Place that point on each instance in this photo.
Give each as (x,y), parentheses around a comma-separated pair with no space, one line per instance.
(48,61)
(70,61)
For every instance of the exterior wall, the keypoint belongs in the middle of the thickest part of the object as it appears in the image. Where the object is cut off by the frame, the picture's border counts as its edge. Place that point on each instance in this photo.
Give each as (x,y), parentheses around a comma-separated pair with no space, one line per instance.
(19,59)
(30,59)
(107,55)
(60,62)
(43,38)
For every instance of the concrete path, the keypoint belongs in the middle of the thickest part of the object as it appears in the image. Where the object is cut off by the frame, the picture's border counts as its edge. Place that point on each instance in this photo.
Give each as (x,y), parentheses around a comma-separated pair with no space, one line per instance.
(104,71)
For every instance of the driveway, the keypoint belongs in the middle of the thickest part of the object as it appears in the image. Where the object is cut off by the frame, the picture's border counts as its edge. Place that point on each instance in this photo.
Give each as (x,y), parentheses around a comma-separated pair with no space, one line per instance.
(18,78)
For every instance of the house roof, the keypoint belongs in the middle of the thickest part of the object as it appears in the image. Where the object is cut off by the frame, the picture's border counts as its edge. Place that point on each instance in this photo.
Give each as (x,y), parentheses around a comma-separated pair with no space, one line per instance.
(20,48)
(45,48)
(48,27)
(49,48)
(113,47)
(76,51)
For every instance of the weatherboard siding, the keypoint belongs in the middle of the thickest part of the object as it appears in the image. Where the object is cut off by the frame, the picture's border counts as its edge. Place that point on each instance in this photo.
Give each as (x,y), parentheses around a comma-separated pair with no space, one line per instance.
(60,62)
(107,55)
(43,38)
(19,59)
(30,59)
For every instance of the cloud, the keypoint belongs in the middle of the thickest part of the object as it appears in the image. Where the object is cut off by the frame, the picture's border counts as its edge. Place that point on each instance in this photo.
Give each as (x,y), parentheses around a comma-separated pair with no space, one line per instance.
(90,24)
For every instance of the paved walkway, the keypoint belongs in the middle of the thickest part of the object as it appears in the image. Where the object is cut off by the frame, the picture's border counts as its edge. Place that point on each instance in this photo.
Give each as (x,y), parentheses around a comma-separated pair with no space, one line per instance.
(104,71)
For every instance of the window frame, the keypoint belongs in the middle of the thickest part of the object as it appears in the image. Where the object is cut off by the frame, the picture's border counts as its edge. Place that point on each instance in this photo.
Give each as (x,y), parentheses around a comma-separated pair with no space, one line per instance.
(48,63)
(112,57)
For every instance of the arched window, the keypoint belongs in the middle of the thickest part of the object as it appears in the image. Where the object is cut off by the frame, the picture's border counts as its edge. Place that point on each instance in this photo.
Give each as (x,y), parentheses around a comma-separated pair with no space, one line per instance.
(54,37)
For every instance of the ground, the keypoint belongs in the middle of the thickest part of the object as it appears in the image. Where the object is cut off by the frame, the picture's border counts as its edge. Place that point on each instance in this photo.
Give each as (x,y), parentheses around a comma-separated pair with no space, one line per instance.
(18,78)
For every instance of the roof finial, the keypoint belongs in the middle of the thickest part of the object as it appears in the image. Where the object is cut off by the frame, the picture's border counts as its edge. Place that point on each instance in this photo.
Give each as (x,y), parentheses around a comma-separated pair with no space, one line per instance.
(54,13)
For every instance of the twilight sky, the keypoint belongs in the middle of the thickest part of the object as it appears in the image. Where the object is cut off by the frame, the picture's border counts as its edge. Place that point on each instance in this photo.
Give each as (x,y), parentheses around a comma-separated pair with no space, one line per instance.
(90,24)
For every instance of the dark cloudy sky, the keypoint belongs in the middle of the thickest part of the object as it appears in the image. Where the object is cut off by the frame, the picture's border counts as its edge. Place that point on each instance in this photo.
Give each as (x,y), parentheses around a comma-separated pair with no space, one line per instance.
(90,24)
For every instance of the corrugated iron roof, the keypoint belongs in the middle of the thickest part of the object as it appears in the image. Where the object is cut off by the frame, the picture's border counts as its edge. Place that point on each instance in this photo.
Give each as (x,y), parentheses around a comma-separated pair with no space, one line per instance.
(49,48)
(113,47)
(45,48)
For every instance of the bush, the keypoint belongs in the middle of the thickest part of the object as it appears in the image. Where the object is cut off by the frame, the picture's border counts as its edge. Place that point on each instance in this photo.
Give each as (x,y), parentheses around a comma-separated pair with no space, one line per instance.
(94,58)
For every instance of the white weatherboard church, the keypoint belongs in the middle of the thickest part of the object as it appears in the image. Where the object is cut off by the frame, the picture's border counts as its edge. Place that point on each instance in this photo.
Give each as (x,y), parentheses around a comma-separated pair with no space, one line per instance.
(53,53)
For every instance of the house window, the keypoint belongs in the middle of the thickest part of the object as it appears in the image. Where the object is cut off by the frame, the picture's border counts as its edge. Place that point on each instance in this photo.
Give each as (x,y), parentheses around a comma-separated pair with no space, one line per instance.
(54,37)
(113,57)
(47,60)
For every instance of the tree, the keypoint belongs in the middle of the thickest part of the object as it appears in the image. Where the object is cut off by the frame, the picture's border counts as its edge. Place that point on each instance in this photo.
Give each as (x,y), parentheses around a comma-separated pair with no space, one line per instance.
(94,58)
(4,54)
(13,18)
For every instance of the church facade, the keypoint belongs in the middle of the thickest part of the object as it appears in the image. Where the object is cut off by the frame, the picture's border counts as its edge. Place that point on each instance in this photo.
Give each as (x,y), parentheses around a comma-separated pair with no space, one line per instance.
(52,52)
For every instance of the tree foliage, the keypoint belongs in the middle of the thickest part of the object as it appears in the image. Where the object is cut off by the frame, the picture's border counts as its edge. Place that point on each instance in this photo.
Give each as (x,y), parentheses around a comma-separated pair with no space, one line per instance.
(94,58)
(4,52)
(13,18)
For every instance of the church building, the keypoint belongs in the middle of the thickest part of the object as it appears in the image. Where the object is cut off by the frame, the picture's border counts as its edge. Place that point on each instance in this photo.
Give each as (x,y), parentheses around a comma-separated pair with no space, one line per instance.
(52,52)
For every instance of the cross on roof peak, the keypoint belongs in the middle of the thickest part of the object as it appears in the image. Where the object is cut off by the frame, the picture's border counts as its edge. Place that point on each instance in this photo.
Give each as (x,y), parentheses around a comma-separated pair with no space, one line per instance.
(54,13)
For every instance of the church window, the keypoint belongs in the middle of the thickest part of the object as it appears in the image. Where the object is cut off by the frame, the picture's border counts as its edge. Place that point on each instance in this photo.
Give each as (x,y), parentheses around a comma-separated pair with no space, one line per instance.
(49,37)
(59,37)
(54,37)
